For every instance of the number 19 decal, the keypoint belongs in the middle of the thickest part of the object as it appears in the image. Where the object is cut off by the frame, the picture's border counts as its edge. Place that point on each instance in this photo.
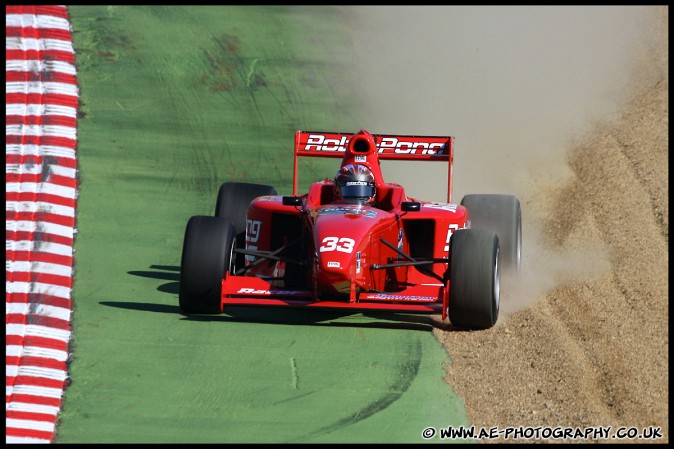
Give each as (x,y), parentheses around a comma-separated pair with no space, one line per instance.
(253,230)
(252,236)
(344,244)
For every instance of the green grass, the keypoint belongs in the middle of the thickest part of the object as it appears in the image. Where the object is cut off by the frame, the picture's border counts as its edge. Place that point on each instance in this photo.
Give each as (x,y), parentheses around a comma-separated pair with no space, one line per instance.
(174,101)
(205,95)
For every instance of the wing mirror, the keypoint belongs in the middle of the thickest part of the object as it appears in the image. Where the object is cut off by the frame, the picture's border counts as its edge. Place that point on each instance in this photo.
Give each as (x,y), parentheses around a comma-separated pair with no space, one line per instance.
(410,206)
(292,200)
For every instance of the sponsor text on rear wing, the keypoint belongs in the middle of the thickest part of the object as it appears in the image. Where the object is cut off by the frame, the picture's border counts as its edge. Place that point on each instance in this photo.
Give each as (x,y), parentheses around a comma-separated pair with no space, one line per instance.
(389,147)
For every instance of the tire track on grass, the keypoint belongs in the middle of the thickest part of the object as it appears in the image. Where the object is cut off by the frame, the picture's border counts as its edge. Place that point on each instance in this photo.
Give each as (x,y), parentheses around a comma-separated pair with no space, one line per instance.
(408,369)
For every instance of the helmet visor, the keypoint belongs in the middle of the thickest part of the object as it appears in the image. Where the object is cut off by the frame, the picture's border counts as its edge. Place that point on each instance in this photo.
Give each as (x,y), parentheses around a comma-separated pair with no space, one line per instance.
(357,189)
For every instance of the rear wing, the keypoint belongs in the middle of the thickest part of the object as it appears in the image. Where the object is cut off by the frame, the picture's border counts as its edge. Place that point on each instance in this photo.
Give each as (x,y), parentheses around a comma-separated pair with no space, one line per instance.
(389,147)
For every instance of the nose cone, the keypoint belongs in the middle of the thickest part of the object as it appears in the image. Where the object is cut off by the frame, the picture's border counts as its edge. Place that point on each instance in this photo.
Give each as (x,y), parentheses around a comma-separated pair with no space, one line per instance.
(341,231)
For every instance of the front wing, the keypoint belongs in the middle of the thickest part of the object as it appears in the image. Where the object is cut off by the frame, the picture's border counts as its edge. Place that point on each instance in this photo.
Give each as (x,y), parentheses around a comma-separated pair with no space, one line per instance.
(254,291)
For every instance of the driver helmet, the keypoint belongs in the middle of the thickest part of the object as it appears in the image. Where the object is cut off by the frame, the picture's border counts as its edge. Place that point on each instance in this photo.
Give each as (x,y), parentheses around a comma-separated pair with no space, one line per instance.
(355,183)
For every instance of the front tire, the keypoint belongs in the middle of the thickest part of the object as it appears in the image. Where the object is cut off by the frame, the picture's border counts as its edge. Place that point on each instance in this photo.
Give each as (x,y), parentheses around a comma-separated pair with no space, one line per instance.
(474,283)
(207,255)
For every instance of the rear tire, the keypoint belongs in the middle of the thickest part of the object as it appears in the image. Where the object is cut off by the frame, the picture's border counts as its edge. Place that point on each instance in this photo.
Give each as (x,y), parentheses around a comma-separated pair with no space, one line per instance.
(232,205)
(503,215)
(474,283)
(207,256)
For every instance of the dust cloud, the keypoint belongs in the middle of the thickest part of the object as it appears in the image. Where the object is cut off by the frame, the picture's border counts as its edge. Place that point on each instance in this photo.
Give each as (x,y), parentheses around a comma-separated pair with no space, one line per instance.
(516,86)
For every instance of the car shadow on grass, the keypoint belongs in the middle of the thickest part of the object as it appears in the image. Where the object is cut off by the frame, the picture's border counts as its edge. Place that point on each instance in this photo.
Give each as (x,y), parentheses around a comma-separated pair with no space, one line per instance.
(165,273)
(288,316)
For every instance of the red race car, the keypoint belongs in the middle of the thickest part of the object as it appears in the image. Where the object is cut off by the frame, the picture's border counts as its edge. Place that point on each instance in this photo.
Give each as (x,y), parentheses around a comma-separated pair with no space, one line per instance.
(353,242)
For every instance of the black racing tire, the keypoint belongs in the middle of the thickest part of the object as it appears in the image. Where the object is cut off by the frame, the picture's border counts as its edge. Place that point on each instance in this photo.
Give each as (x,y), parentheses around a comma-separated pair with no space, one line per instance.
(474,282)
(232,204)
(503,215)
(234,199)
(207,255)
